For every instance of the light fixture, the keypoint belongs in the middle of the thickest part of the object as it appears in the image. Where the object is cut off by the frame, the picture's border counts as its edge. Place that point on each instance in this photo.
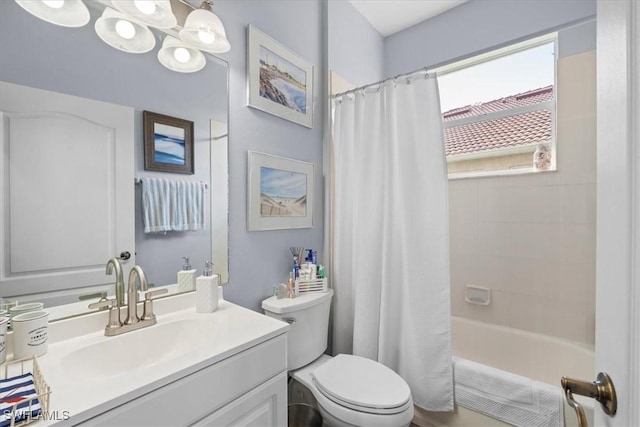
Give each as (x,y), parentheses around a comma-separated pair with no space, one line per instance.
(179,56)
(66,13)
(204,30)
(125,34)
(156,13)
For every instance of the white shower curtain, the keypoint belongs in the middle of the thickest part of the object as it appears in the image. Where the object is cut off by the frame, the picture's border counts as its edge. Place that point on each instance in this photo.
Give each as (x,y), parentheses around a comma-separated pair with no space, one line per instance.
(390,235)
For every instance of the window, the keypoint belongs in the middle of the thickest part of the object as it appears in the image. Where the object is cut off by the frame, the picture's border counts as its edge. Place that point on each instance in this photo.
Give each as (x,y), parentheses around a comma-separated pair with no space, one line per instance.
(499,109)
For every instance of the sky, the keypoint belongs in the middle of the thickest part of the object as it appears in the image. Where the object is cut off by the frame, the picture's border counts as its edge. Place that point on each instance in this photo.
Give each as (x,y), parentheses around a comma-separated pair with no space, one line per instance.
(508,75)
(282,183)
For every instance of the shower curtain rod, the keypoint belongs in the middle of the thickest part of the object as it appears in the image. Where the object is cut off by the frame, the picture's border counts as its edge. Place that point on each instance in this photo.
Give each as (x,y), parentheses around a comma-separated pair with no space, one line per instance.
(424,70)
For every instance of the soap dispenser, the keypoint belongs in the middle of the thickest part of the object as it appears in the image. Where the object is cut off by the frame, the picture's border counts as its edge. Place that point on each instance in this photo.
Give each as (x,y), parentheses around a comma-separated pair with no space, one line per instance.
(207,290)
(186,277)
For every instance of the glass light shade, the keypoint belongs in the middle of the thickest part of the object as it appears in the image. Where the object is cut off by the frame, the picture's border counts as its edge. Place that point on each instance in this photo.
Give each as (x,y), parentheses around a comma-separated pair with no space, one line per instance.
(123,33)
(156,13)
(179,56)
(204,30)
(67,13)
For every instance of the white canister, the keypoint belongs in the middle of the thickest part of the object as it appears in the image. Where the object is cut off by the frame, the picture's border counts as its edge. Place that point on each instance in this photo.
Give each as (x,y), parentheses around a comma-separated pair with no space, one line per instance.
(3,337)
(23,308)
(30,334)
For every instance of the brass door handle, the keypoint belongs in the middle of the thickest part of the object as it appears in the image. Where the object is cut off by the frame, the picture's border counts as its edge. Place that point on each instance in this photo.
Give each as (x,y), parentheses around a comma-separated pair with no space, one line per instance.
(601,389)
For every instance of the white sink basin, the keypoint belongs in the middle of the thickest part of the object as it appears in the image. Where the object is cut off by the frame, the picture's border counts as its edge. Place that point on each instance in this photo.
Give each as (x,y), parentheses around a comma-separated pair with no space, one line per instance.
(136,350)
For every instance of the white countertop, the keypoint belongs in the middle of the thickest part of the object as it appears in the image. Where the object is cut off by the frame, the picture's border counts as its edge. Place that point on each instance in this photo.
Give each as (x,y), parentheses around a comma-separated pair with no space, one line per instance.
(228,331)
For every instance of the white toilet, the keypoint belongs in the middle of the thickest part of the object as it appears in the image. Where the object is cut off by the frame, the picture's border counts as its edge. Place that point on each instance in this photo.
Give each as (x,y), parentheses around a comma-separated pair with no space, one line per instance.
(350,390)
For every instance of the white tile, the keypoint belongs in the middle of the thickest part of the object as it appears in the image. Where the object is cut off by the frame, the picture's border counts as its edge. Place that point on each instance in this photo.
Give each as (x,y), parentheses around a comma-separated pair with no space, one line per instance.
(463,201)
(572,242)
(492,272)
(564,320)
(513,204)
(579,243)
(570,282)
(463,237)
(522,180)
(524,311)
(576,151)
(526,276)
(493,239)
(549,317)
(576,85)
(495,204)
(464,269)
(528,240)
(572,203)
(527,204)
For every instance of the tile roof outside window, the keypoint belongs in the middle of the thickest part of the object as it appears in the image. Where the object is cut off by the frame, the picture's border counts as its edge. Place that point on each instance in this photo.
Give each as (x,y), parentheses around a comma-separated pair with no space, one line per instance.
(529,128)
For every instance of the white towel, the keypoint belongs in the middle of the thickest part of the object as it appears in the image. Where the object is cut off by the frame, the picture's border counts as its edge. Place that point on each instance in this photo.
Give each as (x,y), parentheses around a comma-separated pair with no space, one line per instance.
(169,205)
(507,397)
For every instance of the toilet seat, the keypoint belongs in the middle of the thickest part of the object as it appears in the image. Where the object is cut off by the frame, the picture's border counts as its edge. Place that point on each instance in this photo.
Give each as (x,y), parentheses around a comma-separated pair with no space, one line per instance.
(362,385)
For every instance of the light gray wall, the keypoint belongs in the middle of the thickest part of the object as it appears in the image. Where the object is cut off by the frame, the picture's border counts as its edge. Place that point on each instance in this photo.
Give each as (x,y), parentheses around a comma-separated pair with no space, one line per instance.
(260,259)
(577,39)
(478,26)
(75,61)
(355,47)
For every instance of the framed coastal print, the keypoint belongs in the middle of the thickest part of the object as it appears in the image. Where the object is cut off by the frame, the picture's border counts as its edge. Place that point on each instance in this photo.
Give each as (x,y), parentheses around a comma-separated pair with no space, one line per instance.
(280,193)
(168,143)
(280,82)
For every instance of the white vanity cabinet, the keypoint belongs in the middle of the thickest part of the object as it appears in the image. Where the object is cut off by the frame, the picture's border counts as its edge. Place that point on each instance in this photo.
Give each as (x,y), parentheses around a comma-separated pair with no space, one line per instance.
(245,389)
(227,368)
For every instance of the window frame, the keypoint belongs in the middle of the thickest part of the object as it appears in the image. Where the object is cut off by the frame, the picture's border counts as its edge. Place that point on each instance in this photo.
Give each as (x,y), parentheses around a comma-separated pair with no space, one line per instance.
(550,105)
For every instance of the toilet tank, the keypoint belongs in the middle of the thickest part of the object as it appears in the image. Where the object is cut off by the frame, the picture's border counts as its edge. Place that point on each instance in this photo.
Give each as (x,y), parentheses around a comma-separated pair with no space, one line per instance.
(308,317)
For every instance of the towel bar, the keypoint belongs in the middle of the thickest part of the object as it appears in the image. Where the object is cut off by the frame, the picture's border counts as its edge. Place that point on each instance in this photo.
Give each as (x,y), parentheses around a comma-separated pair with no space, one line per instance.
(601,389)
(138,181)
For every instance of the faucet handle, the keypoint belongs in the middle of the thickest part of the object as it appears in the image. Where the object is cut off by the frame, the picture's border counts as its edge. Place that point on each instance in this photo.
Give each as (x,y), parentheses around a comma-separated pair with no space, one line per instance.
(102,295)
(147,311)
(114,314)
(103,303)
(152,294)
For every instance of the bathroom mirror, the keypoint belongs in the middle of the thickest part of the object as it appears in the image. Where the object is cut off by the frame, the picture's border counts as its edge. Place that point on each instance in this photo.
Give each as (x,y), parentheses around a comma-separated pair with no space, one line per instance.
(74,61)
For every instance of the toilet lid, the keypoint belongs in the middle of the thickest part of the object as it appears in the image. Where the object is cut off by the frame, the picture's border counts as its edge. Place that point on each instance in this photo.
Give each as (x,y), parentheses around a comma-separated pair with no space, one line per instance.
(362,384)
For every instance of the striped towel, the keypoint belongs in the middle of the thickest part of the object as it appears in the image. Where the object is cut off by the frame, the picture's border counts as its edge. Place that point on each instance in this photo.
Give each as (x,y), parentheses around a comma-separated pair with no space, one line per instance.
(169,205)
(18,390)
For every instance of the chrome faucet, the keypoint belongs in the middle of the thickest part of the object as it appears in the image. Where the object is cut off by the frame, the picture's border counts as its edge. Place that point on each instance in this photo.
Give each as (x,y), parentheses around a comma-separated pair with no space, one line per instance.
(132,322)
(132,294)
(114,264)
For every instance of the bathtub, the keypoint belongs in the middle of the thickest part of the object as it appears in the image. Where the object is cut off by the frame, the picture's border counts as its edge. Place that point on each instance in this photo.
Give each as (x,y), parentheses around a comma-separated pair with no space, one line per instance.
(539,357)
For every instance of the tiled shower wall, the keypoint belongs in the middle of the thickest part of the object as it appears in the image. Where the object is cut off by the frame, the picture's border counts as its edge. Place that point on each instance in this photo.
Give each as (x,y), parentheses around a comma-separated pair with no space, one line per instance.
(531,238)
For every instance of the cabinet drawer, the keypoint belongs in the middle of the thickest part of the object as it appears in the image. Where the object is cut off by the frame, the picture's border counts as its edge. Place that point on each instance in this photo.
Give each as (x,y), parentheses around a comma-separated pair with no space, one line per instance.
(188,399)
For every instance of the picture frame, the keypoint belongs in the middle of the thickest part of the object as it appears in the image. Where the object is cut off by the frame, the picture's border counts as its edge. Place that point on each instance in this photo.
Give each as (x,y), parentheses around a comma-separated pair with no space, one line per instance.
(168,143)
(279,81)
(280,192)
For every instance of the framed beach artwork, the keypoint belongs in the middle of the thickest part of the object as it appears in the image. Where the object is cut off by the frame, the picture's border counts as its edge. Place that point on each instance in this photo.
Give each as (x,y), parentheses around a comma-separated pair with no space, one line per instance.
(280,193)
(280,82)
(168,143)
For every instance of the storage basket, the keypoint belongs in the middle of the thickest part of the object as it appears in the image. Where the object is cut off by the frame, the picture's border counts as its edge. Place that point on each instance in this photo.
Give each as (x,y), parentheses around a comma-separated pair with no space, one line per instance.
(20,367)
(315,285)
